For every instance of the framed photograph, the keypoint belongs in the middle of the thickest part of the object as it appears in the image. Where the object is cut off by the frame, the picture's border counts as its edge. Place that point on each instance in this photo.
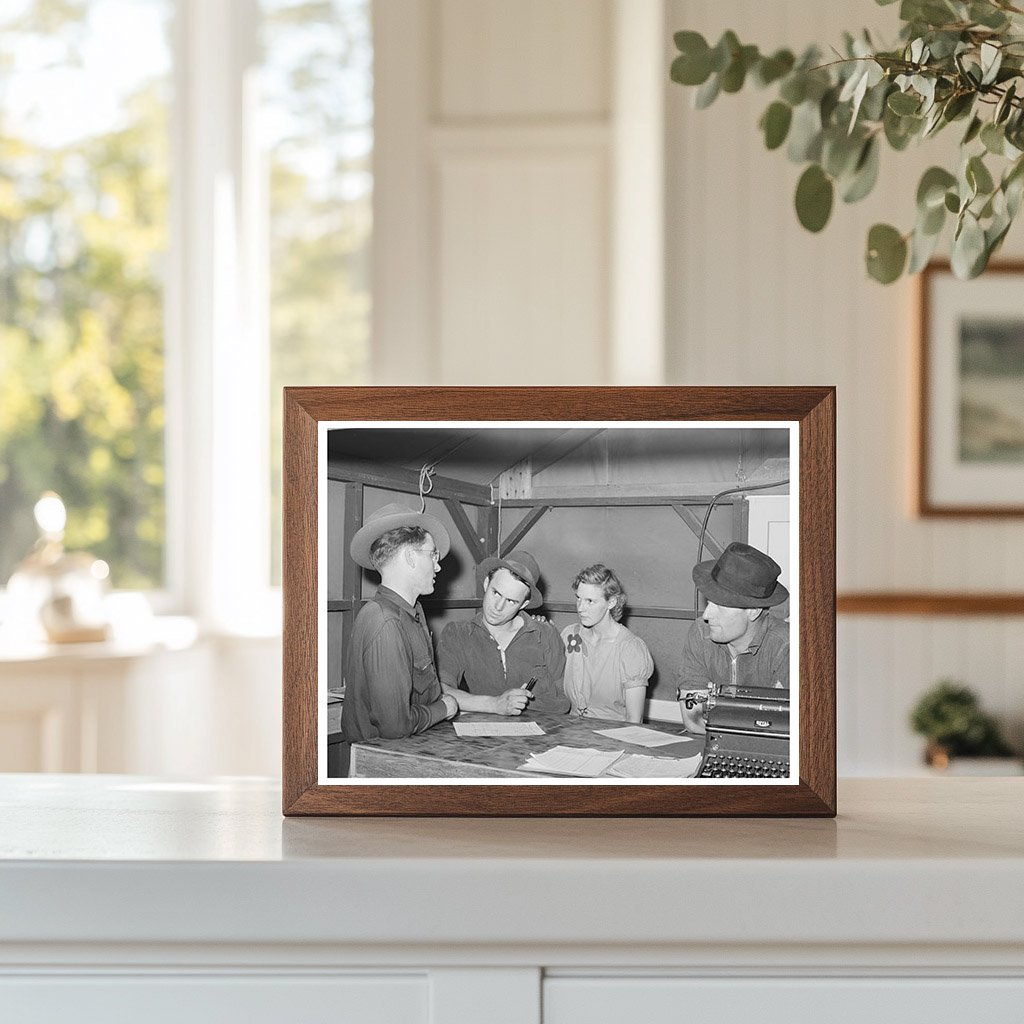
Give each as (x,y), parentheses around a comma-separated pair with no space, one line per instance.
(970,450)
(559,601)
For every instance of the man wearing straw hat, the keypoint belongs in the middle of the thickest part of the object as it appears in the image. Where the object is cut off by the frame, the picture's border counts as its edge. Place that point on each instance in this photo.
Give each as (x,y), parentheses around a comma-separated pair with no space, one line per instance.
(736,643)
(391,685)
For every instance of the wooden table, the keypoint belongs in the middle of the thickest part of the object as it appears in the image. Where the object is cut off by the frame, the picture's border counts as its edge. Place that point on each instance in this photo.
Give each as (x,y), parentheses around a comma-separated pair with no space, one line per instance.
(441,753)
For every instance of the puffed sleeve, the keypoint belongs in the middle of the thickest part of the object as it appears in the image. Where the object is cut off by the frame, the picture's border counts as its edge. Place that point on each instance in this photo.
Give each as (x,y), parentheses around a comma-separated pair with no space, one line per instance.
(637,663)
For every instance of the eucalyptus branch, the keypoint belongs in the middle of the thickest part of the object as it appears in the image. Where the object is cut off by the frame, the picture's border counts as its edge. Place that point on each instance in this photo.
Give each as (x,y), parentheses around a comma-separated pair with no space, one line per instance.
(833,117)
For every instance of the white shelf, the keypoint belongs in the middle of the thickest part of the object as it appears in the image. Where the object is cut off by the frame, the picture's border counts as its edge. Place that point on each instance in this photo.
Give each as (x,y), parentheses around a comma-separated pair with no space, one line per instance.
(918,881)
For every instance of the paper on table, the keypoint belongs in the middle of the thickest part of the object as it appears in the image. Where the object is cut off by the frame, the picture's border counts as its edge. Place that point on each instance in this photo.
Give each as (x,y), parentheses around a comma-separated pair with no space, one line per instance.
(641,766)
(640,736)
(498,729)
(582,761)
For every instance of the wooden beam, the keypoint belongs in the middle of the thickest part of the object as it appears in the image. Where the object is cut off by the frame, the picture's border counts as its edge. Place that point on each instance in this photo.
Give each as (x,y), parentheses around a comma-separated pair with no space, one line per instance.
(912,603)
(692,491)
(602,500)
(351,574)
(397,478)
(740,518)
(487,523)
(695,525)
(519,532)
(472,539)
(557,449)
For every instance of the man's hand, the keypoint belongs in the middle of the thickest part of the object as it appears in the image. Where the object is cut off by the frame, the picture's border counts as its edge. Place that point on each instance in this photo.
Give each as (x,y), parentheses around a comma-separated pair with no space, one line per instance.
(512,702)
(451,705)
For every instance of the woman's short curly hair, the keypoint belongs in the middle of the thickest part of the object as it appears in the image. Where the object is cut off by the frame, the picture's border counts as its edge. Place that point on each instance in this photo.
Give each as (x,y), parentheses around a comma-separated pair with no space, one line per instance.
(599,575)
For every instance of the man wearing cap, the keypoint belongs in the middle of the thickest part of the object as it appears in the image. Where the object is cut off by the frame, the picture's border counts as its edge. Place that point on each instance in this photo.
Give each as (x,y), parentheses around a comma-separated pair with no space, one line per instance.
(736,643)
(391,685)
(495,654)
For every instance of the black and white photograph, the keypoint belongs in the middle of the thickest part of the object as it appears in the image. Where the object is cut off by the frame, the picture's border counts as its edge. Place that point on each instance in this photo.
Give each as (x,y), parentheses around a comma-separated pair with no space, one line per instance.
(528,603)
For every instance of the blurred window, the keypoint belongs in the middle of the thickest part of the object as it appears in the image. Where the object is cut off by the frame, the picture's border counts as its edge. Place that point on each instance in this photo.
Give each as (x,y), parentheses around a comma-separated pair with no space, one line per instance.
(83,239)
(317,127)
(89,231)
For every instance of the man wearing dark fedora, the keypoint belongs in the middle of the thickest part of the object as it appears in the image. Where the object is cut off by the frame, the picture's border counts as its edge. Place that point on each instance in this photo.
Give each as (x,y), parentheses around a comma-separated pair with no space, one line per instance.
(736,643)
(487,662)
(391,685)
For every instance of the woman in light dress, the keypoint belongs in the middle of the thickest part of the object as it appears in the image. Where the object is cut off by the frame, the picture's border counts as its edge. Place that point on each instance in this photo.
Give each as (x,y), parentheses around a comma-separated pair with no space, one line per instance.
(606,666)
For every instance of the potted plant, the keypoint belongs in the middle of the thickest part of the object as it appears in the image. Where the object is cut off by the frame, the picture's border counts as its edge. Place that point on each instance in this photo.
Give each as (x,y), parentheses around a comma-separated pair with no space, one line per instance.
(950,717)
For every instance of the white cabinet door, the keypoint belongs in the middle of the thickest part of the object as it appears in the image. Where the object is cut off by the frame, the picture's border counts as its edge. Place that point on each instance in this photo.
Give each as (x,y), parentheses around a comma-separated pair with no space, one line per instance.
(784,1000)
(202,999)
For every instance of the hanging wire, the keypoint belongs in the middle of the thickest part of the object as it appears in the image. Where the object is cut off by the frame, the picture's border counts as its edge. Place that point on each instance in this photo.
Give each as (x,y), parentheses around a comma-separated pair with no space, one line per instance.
(711,508)
(499,523)
(426,483)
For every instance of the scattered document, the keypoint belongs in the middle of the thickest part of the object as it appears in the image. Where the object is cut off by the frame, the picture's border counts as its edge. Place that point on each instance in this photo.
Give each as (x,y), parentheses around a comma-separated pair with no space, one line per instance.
(583,762)
(640,736)
(642,766)
(498,729)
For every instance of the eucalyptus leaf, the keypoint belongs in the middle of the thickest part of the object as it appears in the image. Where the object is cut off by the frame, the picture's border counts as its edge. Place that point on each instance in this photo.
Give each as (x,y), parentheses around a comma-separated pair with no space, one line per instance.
(972,132)
(794,88)
(932,221)
(873,106)
(993,138)
(958,105)
(771,69)
(865,173)
(922,248)
(903,103)
(814,195)
(931,190)
(805,133)
(886,253)
(978,176)
(693,65)
(900,130)
(840,152)
(707,93)
(952,202)
(1004,106)
(735,74)
(987,15)
(968,247)
(725,50)
(775,124)
(991,59)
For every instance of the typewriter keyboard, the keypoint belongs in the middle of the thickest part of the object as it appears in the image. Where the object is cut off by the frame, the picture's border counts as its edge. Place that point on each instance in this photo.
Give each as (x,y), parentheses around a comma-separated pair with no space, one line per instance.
(743,766)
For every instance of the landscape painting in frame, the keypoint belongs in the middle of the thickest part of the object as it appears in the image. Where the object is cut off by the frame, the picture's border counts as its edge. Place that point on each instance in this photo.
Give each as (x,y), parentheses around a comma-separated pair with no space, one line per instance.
(971,414)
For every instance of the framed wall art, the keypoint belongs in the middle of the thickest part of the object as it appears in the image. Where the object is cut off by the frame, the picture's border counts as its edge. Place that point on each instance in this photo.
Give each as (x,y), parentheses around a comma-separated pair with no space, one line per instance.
(559,601)
(970,423)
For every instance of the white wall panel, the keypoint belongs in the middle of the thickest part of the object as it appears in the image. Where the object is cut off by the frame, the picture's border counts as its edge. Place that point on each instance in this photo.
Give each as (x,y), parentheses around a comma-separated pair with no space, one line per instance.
(752,298)
(531,58)
(522,281)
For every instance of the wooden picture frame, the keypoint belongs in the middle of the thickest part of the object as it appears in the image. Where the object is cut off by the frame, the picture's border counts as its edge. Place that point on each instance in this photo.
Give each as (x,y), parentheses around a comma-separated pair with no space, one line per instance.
(969,449)
(310,416)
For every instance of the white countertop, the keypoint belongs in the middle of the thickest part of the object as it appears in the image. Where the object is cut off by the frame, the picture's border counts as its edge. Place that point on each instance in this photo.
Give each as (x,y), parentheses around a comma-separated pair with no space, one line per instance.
(126,859)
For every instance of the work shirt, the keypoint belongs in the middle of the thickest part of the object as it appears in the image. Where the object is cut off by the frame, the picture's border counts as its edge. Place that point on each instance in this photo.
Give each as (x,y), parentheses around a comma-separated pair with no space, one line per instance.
(764,663)
(469,655)
(391,685)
